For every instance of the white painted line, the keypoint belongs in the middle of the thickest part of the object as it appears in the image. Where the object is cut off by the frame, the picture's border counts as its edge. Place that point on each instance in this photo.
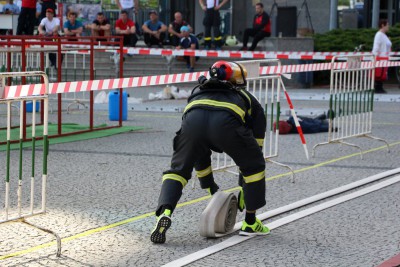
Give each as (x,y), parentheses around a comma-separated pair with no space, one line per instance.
(283,221)
(318,197)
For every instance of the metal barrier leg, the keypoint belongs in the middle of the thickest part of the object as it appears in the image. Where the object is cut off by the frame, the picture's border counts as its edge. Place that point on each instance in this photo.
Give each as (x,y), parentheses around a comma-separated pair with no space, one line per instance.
(78,103)
(285,166)
(378,139)
(58,253)
(337,142)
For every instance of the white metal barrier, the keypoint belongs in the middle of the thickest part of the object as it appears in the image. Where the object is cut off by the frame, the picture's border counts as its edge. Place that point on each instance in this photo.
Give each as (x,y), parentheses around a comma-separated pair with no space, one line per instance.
(267,91)
(351,100)
(20,204)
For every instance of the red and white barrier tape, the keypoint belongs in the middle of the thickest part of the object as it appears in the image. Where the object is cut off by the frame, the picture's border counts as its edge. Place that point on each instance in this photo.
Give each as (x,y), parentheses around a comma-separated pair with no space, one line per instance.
(94,85)
(301,55)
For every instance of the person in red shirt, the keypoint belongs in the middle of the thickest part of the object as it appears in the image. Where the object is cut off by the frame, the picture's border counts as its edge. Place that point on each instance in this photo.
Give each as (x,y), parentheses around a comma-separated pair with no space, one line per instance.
(261,28)
(126,27)
(27,17)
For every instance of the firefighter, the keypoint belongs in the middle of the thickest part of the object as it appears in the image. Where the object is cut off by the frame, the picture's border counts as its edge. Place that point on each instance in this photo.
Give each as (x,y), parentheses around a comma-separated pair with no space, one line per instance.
(220,116)
(212,19)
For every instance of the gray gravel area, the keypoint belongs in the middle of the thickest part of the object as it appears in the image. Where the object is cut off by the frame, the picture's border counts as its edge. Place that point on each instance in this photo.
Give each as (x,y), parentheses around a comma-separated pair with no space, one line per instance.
(95,184)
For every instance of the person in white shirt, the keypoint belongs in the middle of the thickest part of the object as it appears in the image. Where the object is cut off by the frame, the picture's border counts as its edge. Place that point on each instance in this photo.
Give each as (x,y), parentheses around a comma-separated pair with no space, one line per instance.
(381,48)
(212,20)
(49,25)
(131,7)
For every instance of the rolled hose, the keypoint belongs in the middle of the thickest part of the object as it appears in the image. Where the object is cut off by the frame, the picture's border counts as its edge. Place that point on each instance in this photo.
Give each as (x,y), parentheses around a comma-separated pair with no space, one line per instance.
(219,217)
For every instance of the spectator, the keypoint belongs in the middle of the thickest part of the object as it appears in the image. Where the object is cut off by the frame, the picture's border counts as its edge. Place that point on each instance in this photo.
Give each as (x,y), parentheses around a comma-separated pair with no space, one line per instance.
(26,17)
(10,8)
(188,41)
(45,5)
(261,28)
(130,6)
(381,48)
(73,27)
(174,28)
(154,30)
(308,125)
(38,12)
(49,26)
(212,20)
(100,26)
(126,27)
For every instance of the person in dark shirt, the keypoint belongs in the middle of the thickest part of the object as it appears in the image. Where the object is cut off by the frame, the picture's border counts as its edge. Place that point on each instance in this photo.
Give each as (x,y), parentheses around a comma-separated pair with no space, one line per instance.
(174,29)
(188,41)
(261,28)
(100,26)
(308,125)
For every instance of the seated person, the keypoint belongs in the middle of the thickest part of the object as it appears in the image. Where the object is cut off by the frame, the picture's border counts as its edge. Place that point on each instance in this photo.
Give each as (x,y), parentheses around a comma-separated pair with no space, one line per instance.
(188,41)
(126,27)
(100,26)
(73,27)
(174,29)
(154,30)
(10,8)
(261,28)
(308,125)
(49,26)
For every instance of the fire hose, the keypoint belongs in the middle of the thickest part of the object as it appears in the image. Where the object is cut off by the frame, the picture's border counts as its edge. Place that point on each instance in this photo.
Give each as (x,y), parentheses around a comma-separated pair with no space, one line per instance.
(219,217)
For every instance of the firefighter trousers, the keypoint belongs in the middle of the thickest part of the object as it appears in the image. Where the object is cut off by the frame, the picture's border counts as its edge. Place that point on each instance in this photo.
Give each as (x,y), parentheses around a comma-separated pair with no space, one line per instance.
(204,130)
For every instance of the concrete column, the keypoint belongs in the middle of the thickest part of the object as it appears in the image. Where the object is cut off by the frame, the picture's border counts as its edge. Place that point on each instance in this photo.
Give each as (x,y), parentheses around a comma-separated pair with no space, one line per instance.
(375,13)
(333,17)
(390,12)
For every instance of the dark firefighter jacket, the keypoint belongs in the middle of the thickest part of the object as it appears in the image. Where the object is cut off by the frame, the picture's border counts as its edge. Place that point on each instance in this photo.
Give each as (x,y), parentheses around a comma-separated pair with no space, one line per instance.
(243,105)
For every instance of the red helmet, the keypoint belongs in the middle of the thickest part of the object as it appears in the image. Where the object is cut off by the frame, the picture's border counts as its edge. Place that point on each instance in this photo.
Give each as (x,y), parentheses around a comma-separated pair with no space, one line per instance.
(229,71)
(284,127)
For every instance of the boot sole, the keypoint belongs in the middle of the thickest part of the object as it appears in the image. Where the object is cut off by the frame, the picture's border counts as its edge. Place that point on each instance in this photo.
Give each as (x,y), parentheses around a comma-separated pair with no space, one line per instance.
(159,233)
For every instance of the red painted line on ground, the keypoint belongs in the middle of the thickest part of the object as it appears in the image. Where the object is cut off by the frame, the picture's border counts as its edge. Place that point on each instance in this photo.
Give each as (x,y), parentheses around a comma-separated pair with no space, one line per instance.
(392,262)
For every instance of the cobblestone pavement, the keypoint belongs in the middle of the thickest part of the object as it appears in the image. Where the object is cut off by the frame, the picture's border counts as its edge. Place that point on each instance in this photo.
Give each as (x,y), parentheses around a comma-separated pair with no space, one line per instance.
(102,192)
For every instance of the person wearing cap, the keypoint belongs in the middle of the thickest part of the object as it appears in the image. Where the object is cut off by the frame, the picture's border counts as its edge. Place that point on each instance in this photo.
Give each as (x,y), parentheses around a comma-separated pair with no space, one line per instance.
(26,18)
(126,27)
(174,28)
(220,116)
(261,28)
(49,26)
(72,27)
(188,41)
(46,4)
(100,26)
(130,6)
(154,30)
(212,20)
